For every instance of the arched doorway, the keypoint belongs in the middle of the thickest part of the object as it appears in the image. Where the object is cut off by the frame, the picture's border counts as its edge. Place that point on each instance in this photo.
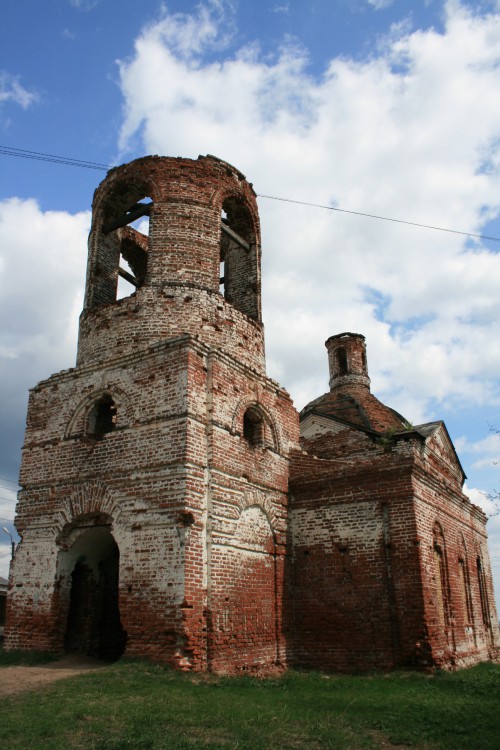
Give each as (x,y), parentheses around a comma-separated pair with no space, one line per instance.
(93,624)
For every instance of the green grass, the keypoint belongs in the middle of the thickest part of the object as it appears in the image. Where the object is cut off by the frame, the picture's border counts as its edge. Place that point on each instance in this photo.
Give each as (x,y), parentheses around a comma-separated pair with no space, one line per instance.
(144,707)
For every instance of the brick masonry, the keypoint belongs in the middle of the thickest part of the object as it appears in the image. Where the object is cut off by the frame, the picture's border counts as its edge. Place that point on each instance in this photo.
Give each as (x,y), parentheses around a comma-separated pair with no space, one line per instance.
(175,505)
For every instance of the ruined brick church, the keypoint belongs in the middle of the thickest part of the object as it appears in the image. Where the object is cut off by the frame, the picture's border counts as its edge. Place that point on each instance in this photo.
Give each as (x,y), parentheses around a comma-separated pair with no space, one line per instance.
(175,505)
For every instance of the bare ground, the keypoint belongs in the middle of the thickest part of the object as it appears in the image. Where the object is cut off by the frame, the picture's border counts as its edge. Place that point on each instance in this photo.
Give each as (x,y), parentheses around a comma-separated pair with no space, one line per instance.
(18,679)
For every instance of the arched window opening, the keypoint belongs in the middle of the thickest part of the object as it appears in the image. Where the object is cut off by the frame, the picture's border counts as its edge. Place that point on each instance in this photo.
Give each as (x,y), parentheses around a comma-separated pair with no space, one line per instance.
(485,609)
(239,278)
(253,427)
(440,574)
(102,418)
(342,360)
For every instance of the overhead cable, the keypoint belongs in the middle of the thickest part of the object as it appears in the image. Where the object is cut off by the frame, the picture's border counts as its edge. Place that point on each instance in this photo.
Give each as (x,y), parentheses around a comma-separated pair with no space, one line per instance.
(12,481)
(55,159)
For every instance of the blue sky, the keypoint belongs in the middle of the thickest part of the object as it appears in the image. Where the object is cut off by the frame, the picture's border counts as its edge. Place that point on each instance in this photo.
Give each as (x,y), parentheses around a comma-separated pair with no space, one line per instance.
(389,108)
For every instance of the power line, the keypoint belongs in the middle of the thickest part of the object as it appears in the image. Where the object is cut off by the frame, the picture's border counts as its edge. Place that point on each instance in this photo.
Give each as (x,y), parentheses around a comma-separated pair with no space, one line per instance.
(25,154)
(382,218)
(55,159)
(12,481)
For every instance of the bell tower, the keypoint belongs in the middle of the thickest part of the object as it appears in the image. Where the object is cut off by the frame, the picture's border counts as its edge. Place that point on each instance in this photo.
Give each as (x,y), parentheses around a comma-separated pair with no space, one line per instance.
(185,237)
(153,511)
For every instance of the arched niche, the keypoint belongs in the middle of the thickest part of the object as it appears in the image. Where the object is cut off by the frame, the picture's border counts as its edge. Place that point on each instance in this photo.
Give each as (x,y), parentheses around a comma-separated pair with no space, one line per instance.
(254,531)
(483,591)
(441,576)
(464,576)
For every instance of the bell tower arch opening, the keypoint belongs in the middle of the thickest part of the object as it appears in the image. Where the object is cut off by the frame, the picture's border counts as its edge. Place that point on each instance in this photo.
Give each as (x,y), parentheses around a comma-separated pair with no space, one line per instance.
(239,258)
(90,567)
(134,239)
(119,241)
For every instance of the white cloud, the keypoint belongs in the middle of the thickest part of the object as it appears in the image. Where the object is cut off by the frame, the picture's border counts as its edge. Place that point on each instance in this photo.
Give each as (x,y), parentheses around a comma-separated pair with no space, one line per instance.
(488,450)
(480,498)
(42,256)
(398,134)
(42,269)
(11,90)
(380,4)
(42,261)
(209,27)
(84,4)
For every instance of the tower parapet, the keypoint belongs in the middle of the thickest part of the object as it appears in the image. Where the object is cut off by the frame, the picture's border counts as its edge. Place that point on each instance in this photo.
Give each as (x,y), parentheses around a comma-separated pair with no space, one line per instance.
(195,270)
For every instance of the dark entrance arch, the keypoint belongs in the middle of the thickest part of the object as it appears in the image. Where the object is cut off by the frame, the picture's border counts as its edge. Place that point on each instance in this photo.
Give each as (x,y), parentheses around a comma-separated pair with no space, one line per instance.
(94,626)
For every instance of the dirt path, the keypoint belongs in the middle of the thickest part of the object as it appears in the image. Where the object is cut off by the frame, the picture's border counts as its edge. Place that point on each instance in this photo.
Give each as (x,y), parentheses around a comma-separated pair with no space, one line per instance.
(17,679)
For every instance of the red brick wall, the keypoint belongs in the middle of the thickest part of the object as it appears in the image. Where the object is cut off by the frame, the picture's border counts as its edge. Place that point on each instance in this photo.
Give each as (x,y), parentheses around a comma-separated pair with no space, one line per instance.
(173,478)
(363,576)
(353,533)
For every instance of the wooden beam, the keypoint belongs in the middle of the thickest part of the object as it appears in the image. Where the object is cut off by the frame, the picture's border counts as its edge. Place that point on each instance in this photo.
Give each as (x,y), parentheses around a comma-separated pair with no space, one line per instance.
(128,277)
(236,237)
(134,213)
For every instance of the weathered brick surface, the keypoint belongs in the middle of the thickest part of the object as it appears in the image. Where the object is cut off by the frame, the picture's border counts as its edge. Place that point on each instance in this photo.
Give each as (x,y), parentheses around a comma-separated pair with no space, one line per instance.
(367,495)
(181,289)
(168,509)
(461,620)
